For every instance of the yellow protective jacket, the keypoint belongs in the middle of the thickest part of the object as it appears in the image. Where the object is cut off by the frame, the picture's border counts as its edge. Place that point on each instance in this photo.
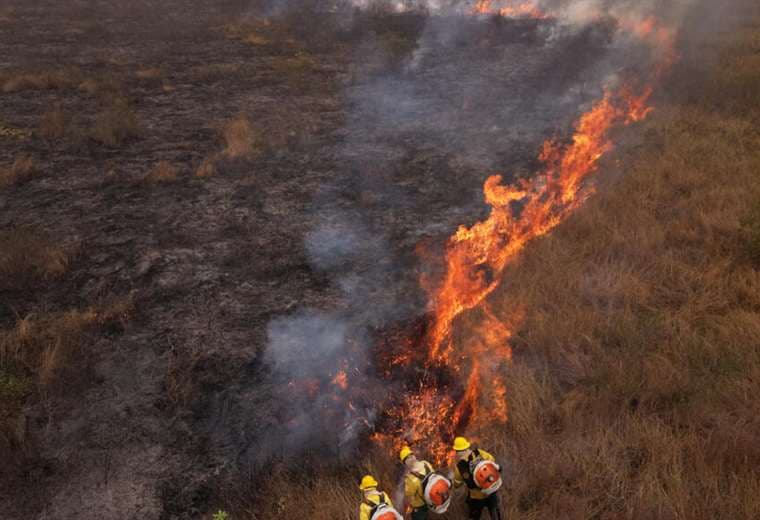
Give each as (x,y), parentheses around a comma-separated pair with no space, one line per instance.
(413,491)
(373,497)
(462,476)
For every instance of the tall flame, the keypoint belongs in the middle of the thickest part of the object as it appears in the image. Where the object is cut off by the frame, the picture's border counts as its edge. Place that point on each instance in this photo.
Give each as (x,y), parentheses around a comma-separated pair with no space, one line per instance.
(476,258)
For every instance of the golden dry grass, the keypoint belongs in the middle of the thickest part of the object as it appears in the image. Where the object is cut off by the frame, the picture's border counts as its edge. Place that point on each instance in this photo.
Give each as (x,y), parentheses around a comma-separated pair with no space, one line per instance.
(44,80)
(241,138)
(115,124)
(297,70)
(206,169)
(26,253)
(21,170)
(43,345)
(634,390)
(163,172)
(53,123)
(149,73)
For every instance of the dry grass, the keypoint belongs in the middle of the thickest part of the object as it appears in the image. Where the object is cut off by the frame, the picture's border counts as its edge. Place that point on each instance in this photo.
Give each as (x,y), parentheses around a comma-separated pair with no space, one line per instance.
(296,70)
(7,15)
(54,123)
(163,172)
(241,138)
(43,345)
(45,80)
(115,124)
(634,391)
(21,170)
(27,254)
(207,168)
(150,73)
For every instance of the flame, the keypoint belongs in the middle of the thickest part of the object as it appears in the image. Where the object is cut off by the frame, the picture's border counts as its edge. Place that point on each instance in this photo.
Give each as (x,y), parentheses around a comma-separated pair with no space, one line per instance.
(476,258)
(513,10)
(448,376)
(341,380)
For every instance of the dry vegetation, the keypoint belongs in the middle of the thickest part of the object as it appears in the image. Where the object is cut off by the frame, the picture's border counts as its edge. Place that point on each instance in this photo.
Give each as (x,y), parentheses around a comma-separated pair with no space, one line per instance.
(637,369)
(162,172)
(207,168)
(241,138)
(21,170)
(26,253)
(44,80)
(54,123)
(115,124)
(41,349)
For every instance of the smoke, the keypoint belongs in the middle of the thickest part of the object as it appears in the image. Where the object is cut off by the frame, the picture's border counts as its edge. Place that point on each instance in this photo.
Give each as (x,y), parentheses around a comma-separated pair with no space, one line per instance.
(439,100)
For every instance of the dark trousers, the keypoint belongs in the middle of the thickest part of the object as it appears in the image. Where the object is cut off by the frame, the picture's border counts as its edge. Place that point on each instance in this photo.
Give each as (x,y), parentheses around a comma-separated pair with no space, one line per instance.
(476,507)
(420,513)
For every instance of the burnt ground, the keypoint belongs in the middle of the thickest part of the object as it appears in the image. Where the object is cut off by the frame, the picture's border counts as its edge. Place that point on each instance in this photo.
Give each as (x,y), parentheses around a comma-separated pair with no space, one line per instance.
(397,142)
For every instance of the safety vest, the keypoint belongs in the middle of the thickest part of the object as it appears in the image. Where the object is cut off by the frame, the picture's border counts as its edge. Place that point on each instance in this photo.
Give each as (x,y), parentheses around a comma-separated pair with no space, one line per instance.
(382,510)
(479,473)
(436,489)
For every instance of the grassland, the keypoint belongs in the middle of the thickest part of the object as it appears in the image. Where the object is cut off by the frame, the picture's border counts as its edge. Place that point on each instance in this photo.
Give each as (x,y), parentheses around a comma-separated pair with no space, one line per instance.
(634,389)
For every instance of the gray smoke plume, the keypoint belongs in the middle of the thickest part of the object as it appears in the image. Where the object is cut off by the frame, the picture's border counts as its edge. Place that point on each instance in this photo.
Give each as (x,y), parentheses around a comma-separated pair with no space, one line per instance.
(469,95)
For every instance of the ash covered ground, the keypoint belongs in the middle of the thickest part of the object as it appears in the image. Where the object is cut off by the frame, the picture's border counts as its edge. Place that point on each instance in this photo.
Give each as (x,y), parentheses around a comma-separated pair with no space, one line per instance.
(374,134)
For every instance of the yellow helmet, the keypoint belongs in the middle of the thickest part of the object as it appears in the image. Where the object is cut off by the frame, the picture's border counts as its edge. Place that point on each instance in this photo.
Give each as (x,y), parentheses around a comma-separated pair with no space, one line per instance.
(461,444)
(368,481)
(404,453)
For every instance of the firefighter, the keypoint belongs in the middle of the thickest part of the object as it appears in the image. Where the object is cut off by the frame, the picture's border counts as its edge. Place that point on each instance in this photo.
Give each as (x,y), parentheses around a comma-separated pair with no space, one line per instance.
(481,487)
(376,505)
(416,471)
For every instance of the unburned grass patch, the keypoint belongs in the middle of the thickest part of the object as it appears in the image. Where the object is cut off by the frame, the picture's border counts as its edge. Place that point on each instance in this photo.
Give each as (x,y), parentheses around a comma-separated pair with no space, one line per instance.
(751,229)
(242,138)
(54,123)
(115,124)
(207,168)
(163,172)
(297,70)
(28,254)
(42,80)
(42,346)
(19,171)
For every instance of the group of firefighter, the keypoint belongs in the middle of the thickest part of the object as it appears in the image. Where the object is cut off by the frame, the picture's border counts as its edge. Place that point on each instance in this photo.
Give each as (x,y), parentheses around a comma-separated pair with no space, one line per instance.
(427,490)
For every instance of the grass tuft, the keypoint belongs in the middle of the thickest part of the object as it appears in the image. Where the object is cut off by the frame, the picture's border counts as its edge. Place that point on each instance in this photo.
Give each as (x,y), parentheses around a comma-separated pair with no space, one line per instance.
(163,172)
(20,171)
(241,138)
(116,124)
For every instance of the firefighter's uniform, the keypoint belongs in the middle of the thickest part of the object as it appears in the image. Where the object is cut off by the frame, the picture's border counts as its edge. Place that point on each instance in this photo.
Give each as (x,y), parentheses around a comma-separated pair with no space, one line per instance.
(413,491)
(476,499)
(371,500)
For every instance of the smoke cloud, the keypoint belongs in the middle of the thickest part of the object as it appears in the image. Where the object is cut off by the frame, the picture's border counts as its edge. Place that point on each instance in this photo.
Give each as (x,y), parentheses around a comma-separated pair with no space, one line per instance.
(473,95)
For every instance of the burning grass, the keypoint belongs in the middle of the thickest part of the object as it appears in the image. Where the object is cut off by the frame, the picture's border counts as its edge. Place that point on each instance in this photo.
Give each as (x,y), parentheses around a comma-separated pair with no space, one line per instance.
(633,387)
